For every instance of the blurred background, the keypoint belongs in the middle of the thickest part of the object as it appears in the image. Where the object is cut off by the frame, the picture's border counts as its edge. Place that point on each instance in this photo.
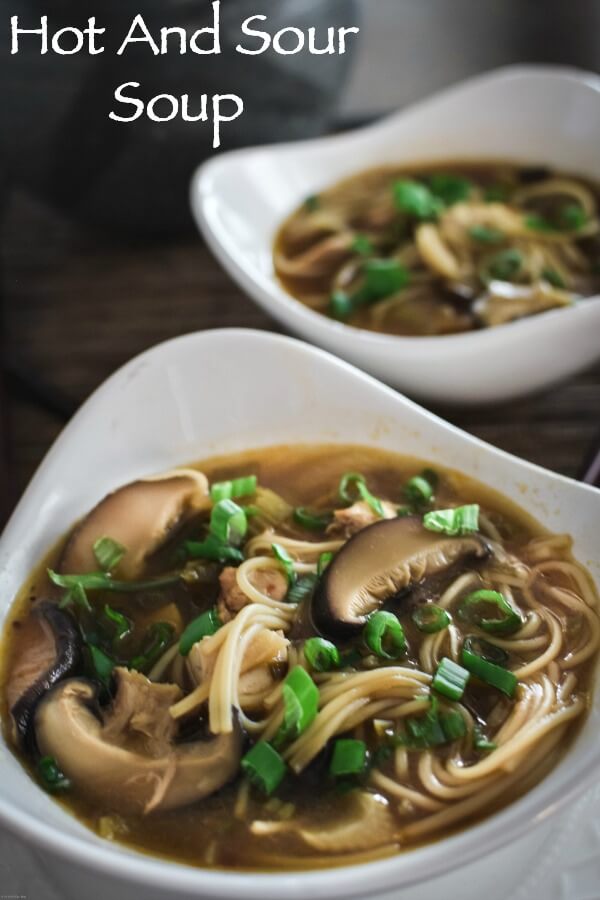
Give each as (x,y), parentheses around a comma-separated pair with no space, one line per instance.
(98,255)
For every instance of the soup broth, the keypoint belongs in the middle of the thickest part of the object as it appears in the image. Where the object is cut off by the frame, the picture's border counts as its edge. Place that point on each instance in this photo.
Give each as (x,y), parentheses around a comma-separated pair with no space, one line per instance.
(349,654)
(435,250)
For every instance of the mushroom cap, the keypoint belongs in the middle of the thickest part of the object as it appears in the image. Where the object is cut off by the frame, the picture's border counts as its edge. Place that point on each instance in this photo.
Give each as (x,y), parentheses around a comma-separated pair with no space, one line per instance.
(53,652)
(379,562)
(140,516)
(123,779)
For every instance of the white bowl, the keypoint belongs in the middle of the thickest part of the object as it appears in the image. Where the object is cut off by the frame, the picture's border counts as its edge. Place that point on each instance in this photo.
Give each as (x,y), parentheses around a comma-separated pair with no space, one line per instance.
(528,114)
(224,391)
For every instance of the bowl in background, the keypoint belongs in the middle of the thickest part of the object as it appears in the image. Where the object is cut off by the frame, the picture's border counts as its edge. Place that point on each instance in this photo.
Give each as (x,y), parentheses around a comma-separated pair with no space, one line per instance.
(527,114)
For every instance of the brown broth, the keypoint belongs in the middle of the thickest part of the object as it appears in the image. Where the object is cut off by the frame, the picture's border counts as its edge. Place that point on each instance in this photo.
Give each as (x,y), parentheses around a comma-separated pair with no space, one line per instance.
(208,834)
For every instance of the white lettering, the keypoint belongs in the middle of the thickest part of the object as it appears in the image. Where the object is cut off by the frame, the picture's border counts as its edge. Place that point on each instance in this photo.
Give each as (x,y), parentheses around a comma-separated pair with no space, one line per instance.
(77,34)
(164,40)
(171,100)
(215,31)
(122,98)
(185,109)
(144,38)
(266,38)
(343,33)
(312,42)
(278,46)
(16,31)
(218,117)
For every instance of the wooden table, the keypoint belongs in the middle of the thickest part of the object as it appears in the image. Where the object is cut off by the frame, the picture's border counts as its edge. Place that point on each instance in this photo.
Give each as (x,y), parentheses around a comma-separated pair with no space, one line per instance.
(77,305)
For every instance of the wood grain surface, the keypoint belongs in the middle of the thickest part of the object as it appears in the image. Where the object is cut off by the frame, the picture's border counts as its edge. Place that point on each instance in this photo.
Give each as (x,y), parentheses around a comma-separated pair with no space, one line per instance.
(77,305)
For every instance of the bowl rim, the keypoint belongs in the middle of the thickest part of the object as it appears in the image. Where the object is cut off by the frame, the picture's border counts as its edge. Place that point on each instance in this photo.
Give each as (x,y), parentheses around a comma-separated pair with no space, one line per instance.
(265,288)
(401,870)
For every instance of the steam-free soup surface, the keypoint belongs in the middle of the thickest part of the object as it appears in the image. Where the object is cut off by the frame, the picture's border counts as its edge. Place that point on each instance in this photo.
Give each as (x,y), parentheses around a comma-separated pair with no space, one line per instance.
(345,578)
(443,249)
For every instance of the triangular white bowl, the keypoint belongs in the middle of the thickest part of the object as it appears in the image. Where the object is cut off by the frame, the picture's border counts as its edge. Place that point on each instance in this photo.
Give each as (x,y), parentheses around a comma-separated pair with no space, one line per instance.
(223,391)
(529,114)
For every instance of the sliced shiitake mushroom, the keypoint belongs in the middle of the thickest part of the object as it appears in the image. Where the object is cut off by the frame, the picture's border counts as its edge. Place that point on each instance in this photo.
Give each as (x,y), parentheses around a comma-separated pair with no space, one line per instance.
(53,653)
(378,563)
(108,757)
(140,516)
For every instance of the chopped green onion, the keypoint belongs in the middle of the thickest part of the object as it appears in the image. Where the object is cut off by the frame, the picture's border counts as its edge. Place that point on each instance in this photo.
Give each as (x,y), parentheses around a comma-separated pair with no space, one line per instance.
(341,305)
(203,626)
(222,490)
(321,655)
(450,188)
(419,490)
(473,610)
(102,665)
(214,549)
(108,553)
(496,676)
(460,520)
(158,638)
(485,235)
(481,742)
(425,731)
(538,223)
(264,767)
(300,705)
(403,511)
(312,203)
(430,618)
(229,490)
(362,245)
(75,595)
(324,560)
(384,277)
(123,626)
(228,522)
(496,193)
(349,758)
(103,581)
(312,521)
(553,278)
(355,478)
(450,679)
(416,200)
(506,265)
(488,651)
(286,562)
(453,725)
(572,217)
(52,778)
(384,635)
(303,588)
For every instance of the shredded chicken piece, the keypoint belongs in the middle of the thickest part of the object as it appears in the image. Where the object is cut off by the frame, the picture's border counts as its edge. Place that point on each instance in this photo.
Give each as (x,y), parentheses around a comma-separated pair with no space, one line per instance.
(268,648)
(232,599)
(353,519)
(253,686)
(140,714)
(367,823)
(319,260)
(504,302)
